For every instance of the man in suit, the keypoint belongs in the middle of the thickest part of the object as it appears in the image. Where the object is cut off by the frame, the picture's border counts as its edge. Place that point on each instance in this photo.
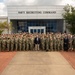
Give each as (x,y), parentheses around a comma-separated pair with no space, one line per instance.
(66,43)
(37,42)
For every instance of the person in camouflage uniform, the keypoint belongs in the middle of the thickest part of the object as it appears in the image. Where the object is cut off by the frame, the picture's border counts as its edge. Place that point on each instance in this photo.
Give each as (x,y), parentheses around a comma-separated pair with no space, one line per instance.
(27,43)
(43,42)
(16,43)
(20,43)
(54,42)
(4,44)
(47,43)
(8,44)
(61,41)
(58,41)
(51,42)
(70,42)
(31,42)
(12,43)
(24,42)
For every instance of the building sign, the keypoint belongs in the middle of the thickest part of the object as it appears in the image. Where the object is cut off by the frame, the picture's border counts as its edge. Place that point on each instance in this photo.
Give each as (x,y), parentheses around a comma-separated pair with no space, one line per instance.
(36,12)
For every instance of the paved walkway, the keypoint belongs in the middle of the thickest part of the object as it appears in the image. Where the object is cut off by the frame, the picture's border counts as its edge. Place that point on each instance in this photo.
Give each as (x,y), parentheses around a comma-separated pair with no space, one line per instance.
(70,57)
(5,58)
(38,63)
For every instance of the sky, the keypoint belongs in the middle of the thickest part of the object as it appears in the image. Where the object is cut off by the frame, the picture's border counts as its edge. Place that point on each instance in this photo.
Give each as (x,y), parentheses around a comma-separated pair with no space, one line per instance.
(4,3)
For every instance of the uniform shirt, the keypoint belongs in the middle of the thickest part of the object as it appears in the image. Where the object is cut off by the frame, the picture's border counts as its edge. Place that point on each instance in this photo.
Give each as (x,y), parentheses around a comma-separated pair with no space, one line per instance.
(37,38)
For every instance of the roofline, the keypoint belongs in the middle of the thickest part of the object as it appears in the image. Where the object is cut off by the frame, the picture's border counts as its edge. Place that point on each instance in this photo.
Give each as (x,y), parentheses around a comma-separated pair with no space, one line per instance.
(32,5)
(3,16)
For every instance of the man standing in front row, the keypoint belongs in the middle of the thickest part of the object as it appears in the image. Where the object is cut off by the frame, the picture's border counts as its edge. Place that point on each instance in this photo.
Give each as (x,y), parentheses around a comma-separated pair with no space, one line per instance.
(66,43)
(37,42)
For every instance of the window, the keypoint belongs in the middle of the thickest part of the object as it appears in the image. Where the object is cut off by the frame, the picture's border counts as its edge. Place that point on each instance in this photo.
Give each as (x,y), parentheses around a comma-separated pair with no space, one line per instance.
(50,25)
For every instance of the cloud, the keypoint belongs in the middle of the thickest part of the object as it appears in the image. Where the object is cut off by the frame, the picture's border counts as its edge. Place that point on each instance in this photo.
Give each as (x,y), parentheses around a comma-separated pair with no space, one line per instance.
(33,2)
(3,9)
(40,2)
(17,2)
(70,2)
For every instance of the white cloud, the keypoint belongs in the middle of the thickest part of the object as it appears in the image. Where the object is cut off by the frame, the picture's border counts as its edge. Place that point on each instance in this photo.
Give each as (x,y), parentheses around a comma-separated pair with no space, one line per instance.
(17,2)
(3,10)
(33,2)
(40,2)
(70,2)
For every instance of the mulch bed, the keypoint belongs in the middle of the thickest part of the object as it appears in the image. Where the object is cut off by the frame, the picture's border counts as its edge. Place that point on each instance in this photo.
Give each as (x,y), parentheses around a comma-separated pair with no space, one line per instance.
(5,58)
(70,57)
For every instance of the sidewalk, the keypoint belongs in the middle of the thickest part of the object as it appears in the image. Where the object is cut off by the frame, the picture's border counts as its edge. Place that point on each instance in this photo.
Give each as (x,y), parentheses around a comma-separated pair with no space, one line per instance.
(38,63)
(70,57)
(5,58)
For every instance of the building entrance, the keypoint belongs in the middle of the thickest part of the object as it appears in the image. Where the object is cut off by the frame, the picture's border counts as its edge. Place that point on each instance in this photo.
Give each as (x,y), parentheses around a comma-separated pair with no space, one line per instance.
(37,29)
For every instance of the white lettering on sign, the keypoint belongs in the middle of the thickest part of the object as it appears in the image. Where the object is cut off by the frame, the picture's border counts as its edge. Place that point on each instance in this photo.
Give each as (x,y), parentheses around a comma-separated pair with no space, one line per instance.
(36,12)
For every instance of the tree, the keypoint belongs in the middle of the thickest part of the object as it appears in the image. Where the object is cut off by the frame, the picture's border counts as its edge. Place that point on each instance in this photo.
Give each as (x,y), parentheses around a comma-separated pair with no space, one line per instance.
(1,27)
(69,16)
(5,25)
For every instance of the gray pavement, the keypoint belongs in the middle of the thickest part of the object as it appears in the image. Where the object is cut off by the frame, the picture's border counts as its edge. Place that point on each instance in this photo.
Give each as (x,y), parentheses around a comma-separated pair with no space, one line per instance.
(38,63)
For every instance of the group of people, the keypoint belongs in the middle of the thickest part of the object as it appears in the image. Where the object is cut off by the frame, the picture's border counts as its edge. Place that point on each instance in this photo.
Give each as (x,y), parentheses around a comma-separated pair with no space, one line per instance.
(37,41)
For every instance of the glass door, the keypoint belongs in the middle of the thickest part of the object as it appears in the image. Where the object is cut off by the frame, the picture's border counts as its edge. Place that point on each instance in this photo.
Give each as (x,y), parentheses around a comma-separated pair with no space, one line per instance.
(37,29)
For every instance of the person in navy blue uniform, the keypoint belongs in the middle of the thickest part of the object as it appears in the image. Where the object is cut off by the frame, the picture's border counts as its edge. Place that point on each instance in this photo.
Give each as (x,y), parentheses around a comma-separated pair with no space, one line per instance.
(37,42)
(66,43)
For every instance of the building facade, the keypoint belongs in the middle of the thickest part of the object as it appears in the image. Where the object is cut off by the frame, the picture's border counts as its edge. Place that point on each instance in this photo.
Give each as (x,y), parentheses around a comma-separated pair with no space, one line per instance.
(3,18)
(36,19)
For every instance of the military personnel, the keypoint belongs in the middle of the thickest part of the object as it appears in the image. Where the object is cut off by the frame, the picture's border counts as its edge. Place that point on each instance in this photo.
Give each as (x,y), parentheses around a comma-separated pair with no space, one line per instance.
(51,42)
(70,41)
(47,43)
(54,42)
(58,41)
(61,41)
(8,44)
(20,43)
(23,38)
(66,43)
(4,44)
(16,43)
(32,42)
(27,43)
(12,43)
(43,42)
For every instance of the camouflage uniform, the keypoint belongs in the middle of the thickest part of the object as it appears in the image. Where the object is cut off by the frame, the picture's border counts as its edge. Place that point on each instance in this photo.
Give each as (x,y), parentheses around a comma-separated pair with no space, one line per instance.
(23,43)
(16,44)
(51,43)
(54,43)
(70,42)
(62,42)
(43,43)
(30,43)
(4,44)
(20,44)
(58,42)
(8,44)
(27,43)
(47,43)
(12,44)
